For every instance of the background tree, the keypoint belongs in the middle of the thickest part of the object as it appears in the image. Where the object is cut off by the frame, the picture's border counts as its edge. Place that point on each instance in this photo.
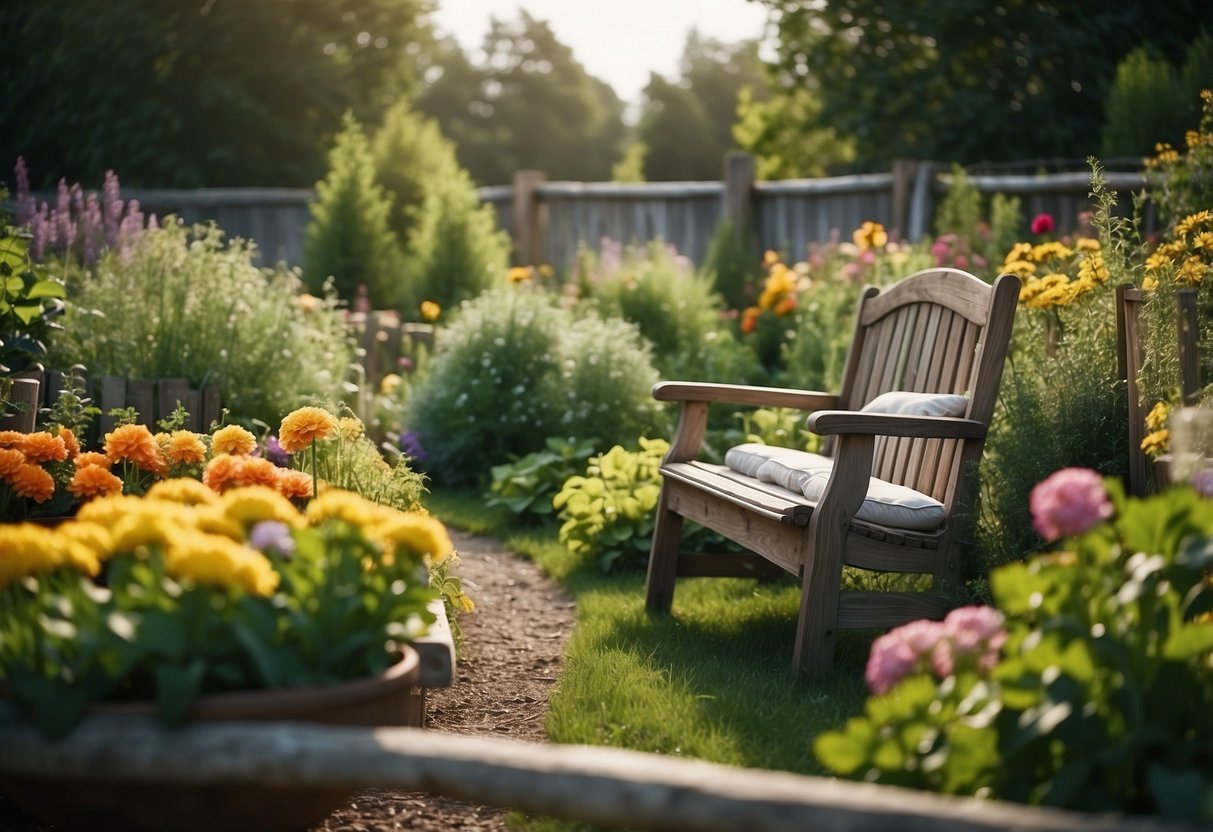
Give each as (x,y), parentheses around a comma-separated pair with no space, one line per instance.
(786,135)
(527,103)
(195,93)
(687,123)
(962,80)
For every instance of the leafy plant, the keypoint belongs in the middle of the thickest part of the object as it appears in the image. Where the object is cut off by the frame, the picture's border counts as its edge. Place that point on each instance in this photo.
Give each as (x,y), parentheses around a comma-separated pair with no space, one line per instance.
(29,304)
(527,486)
(609,512)
(1087,688)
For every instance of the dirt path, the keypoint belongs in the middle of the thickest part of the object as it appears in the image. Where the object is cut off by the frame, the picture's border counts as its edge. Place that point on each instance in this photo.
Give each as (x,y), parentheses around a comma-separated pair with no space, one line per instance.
(514,647)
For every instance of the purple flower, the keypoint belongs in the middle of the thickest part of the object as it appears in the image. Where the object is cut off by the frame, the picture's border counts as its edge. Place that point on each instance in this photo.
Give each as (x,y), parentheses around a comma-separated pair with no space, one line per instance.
(274,452)
(1202,481)
(410,443)
(273,538)
(1069,502)
(25,201)
(111,208)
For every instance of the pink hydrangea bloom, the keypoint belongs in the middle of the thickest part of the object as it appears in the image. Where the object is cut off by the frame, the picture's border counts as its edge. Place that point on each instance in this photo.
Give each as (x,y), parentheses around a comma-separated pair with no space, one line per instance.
(898,652)
(1069,502)
(1042,224)
(970,634)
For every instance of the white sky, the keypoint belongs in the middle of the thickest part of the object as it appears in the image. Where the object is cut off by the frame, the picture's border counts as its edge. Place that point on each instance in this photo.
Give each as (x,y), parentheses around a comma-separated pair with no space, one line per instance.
(618,41)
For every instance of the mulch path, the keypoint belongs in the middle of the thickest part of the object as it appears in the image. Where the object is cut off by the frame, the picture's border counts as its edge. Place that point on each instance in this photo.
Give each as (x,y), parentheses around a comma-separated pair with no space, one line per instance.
(512,655)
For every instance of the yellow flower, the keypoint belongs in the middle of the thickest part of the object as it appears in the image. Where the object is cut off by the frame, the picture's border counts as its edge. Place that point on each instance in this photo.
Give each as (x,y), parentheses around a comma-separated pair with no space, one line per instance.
(349,428)
(546,271)
(1022,268)
(389,384)
(420,533)
(148,523)
(1052,249)
(304,426)
(1088,244)
(870,235)
(1192,271)
(184,490)
(1149,284)
(219,561)
(1157,417)
(770,258)
(1018,252)
(1157,261)
(1192,222)
(519,274)
(96,538)
(233,439)
(254,503)
(430,310)
(1156,442)
(341,505)
(1093,268)
(107,511)
(29,549)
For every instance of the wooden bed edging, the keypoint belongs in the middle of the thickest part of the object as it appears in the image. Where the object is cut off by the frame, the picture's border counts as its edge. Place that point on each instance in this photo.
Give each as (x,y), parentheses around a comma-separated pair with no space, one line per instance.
(600,785)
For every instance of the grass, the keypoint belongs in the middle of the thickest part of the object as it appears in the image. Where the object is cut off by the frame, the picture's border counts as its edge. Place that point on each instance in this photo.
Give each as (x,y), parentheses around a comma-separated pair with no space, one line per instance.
(712,681)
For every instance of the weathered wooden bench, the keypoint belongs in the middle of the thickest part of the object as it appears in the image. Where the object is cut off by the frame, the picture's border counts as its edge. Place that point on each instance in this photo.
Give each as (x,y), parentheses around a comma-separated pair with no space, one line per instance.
(903,438)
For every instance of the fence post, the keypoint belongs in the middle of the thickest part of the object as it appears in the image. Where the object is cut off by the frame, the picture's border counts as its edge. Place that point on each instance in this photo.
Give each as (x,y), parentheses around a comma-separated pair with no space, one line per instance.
(903,191)
(528,218)
(739,193)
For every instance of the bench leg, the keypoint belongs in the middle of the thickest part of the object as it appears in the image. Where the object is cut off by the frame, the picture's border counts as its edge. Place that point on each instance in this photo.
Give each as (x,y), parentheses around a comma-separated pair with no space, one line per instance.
(663,559)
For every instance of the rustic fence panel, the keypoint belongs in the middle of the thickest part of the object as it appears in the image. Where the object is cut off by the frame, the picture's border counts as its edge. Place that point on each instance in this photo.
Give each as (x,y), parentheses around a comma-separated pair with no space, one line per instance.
(561,217)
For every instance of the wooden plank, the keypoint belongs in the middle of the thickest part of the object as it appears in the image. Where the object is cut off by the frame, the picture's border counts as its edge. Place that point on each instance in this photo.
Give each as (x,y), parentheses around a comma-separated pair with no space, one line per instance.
(211,406)
(111,395)
(1130,355)
(884,610)
(951,288)
(141,395)
(739,565)
(605,786)
(789,509)
(436,650)
(1189,354)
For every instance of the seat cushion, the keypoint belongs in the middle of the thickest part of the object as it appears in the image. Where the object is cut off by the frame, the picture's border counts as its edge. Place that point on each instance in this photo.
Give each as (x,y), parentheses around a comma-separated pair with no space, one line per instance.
(918,404)
(807,473)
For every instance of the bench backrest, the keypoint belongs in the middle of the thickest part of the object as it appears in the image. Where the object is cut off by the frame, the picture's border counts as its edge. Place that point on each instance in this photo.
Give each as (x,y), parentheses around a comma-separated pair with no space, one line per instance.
(939,331)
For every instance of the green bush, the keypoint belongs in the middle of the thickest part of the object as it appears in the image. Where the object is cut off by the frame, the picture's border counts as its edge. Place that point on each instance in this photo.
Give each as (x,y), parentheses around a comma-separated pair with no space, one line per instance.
(526,487)
(349,238)
(512,369)
(186,303)
(732,262)
(1088,687)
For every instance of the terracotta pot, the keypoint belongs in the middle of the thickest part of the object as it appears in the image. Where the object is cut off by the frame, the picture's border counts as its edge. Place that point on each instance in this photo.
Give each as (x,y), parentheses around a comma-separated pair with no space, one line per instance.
(98,805)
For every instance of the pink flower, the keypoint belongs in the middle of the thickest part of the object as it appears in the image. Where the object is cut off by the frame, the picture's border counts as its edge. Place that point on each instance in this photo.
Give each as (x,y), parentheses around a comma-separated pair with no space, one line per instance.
(1069,502)
(898,652)
(971,635)
(1042,224)
(1202,481)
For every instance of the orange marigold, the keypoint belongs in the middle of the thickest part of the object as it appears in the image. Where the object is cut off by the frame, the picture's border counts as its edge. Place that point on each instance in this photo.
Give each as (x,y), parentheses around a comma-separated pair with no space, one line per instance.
(255,470)
(133,442)
(42,447)
(94,481)
(233,439)
(222,472)
(32,481)
(10,460)
(304,426)
(184,447)
(91,458)
(292,483)
(11,439)
(70,442)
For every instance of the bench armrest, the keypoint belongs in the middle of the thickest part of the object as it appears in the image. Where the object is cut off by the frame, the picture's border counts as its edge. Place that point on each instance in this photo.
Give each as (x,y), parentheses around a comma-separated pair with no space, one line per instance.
(742,394)
(828,422)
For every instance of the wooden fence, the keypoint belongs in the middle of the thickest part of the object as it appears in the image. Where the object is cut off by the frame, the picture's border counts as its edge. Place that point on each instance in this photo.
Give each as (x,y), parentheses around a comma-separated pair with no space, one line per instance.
(550,221)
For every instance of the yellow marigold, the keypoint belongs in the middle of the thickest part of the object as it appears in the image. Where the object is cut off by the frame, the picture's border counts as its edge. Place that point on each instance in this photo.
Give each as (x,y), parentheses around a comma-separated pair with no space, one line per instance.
(519,274)
(1192,271)
(184,490)
(184,447)
(94,537)
(92,481)
(1019,251)
(304,426)
(29,549)
(420,533)
(12,439)
(70,442)
(1093,268)
(429,310)
(294,484)
(219,561)
(254,503)
(349,428)
(255,470)
(770,258)
(233,439)
(1055,291)
(1157,417)
(1022,268)
(43,447)
(33,482)
(1156,442)
(223,472)
(1157,261)
(1203,241)
(10,460)
(1149,284)
(92,458)
(106,511)
(149,523)
(341,505)
(1053,249)
(870,235)
(209,518)
(1087,244)
(1193,221)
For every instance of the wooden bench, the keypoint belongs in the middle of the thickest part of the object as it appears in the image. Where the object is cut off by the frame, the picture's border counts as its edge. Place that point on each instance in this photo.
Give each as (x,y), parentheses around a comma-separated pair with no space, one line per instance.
(940,334)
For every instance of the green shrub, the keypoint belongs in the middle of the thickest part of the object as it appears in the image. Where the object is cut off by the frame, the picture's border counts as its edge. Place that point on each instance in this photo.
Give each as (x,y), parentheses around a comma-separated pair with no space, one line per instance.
(408,150)
(349,238)
(526,487)
(512,369)
(610,512)
(454,250)
(1088,687)
(732,262)
(186,303)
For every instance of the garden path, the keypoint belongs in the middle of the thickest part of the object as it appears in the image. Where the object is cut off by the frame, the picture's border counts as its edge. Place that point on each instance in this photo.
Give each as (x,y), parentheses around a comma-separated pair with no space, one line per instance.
(514,649)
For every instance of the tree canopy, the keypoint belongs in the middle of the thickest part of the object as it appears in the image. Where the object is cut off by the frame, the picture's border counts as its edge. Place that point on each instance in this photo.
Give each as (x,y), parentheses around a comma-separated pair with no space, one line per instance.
(526,103)
(195,92)
(966,80)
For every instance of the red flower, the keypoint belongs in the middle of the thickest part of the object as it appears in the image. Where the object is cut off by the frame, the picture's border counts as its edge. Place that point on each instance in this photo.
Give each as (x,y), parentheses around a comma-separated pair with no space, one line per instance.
(1042,224)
